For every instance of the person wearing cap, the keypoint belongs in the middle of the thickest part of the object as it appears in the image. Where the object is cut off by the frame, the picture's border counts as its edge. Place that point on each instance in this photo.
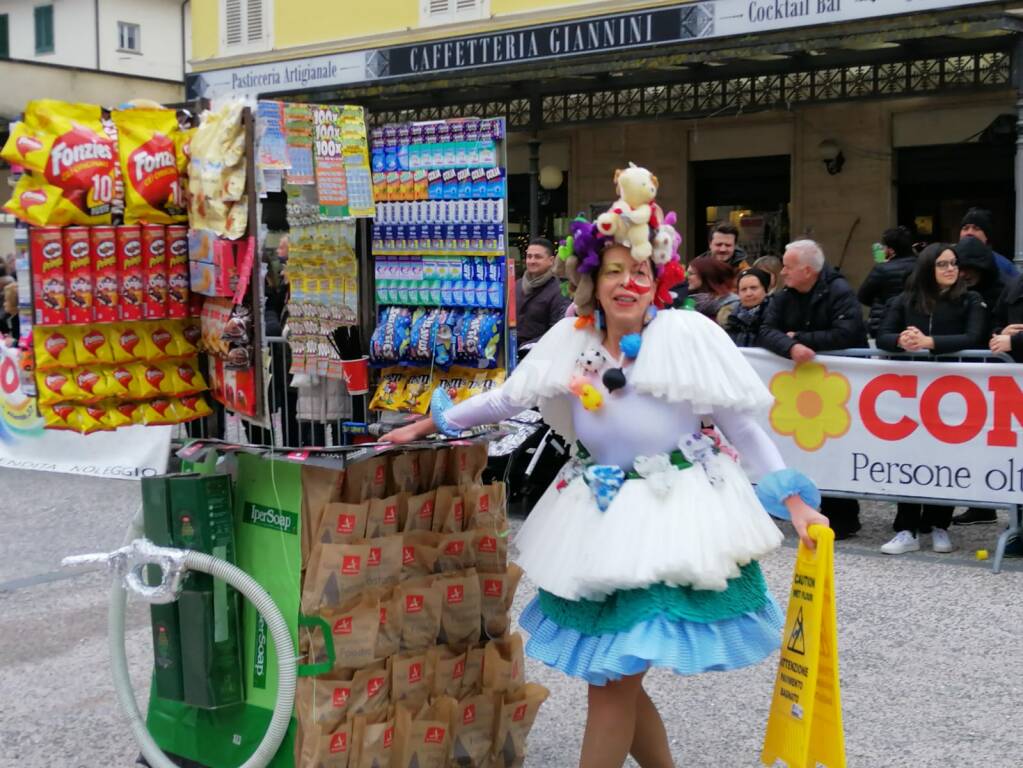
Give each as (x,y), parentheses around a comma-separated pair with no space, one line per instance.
(978,223)
(887,279)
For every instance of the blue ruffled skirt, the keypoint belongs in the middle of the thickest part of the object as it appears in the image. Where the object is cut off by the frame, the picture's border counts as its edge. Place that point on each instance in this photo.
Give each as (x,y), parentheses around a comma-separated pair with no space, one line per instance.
(687,647)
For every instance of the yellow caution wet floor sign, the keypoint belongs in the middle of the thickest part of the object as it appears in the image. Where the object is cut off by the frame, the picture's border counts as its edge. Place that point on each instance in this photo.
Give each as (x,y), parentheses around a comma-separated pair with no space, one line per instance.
(804,729)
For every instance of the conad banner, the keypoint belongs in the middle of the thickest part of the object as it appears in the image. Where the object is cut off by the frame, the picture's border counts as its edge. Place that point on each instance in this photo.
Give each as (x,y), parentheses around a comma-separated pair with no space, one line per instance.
(127,453)
(902,428)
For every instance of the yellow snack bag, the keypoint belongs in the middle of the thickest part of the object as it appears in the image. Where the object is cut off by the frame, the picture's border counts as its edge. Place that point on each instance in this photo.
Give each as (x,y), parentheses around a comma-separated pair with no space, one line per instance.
(57,387)
(121,382)
(65,146)
(418,391)
(148,154)
(93,418)
(94,384)
(390,391)
(63,416)
(129,413)
(126,343)
(152,380)
(160,412)
(183,147)
(92,345)
(194,407)
(184,378)
(160,341)
(117,418)
(43,205)
(54,346)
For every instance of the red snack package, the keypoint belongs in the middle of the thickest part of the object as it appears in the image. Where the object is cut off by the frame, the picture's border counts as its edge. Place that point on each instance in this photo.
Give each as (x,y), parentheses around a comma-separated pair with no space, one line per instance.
(162,343)
(93,418)
(149,165)
(177,271)
(103,252)
(49,287)
(154,268)
(129,270)
(63,416)
(56,387)
(78,274)
(54,347)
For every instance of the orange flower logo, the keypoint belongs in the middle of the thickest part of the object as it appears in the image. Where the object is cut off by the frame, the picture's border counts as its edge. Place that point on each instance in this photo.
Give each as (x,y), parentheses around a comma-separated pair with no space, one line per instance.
(809,405)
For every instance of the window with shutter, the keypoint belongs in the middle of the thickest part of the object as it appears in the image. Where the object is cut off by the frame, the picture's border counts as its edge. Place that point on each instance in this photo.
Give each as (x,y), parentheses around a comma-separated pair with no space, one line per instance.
(433,12)
(245,25)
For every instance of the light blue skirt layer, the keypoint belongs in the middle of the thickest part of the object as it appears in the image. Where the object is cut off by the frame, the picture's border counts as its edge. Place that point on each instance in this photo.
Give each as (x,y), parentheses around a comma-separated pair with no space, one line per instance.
(687,647)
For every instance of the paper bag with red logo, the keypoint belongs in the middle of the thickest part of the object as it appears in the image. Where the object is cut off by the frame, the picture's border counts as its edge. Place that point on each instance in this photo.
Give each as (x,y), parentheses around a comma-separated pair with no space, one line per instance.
(384,516)
(423,739)
(385,558)
(153,190)
(341,523)
(419,512)
(420,550)
(490,547)
(374,741)
(514,721)
(504,664)
(365,480)
(460,607)
(322,703)
(391,615)
(472,678)
(320,486)
(411,678)
(334,748)
(421,608)
(497,590)
(473,731)
(456,552)
(371,689)
(448,670)
(353,629)
(339,576)
(466,464)
(485,505)
(449,510)
(406,473)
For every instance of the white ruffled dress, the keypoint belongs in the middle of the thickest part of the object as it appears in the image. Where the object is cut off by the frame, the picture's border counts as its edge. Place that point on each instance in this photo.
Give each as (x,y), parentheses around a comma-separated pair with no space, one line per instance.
(660,569)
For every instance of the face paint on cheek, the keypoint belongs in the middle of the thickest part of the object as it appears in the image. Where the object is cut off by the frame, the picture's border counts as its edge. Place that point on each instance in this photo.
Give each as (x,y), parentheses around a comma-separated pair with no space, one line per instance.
(636,288)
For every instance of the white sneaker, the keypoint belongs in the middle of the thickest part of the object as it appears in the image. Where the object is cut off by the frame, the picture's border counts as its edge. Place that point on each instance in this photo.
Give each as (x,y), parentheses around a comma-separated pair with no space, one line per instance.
(941,541)
(904,541)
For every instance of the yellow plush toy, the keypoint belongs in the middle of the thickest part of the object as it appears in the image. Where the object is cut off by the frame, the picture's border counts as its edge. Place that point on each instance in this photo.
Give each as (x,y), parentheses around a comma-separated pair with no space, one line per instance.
(628,219)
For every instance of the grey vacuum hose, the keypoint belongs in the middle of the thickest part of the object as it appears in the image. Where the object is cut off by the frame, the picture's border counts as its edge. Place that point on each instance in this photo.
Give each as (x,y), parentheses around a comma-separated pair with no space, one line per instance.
(275,622)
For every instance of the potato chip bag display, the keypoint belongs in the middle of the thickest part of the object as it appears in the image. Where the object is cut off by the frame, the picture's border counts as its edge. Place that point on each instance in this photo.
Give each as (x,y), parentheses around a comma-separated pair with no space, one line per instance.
(421,606)
(54,347)
(127,342)
(411,678)
(153,189)
(419,512)
(94,384)
(460,607)
(384,565)
(57,387)
(66,146)
(93,418)
(191,335)
(184,377)
(152,380)
(92,345)
(448,670)
(64,416)
(497,590)
(419,553)
(473,730)
(385,515)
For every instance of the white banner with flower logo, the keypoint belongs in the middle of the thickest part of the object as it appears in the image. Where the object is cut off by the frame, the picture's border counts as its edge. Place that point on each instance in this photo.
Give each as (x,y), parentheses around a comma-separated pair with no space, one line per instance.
(923,429)
(130,452)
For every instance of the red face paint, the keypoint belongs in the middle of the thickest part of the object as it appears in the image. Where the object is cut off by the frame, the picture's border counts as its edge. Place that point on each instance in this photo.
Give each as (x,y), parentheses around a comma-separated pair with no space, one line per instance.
(636,288)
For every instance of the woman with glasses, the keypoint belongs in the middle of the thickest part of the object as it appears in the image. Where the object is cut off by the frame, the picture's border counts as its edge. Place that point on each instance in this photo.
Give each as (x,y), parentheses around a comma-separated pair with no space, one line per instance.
(645,547)
(936,313)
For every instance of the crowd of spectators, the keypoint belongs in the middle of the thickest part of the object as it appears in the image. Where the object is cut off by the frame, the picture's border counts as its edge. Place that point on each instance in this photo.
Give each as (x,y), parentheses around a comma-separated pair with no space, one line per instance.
(943,299)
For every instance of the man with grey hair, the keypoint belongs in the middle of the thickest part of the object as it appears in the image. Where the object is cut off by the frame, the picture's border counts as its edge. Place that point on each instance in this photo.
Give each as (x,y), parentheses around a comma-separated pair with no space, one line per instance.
(816,311)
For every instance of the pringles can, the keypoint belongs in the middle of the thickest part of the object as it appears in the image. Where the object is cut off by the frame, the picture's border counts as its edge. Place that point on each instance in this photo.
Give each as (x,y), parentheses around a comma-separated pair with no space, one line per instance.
(129,271)
(106,288)
(154,271)
(49,287)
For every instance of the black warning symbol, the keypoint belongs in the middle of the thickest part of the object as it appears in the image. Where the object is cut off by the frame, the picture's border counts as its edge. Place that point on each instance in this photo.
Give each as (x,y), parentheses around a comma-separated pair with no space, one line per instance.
(797,640)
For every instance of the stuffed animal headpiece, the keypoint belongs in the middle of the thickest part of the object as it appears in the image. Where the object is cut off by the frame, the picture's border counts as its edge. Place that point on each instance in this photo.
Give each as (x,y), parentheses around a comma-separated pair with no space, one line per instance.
(635,221)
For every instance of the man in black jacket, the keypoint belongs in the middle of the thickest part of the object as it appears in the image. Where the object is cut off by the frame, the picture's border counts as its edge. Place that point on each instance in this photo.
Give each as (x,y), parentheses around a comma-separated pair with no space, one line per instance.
(887,279)
(1008,321)
(539,303)
(815,312)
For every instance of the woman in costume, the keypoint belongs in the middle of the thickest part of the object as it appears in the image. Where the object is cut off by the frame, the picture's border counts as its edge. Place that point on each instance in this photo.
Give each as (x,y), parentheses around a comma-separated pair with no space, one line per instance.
(645,547)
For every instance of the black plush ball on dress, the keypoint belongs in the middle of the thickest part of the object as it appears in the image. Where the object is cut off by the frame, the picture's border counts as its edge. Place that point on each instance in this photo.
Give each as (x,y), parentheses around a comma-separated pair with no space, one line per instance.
(614,378)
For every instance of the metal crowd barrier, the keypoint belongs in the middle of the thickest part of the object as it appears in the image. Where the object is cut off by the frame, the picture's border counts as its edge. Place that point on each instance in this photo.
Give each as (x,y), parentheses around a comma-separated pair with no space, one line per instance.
(962,356)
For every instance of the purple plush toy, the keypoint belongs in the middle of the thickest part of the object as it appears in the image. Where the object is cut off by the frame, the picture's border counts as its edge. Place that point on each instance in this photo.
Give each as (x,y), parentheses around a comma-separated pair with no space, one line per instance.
(586,244)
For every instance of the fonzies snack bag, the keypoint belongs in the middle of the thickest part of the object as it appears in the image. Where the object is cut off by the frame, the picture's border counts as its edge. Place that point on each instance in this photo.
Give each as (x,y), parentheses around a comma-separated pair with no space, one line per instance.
(153,190)
(64,147)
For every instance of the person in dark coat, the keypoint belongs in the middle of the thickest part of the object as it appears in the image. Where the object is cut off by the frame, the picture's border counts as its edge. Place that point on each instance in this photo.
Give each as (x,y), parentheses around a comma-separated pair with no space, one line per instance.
(815,312)
(978,223)
(978,268)
(723,245)
(936,312)
(888,279)
(745,321)
(1007,317)
(539,303)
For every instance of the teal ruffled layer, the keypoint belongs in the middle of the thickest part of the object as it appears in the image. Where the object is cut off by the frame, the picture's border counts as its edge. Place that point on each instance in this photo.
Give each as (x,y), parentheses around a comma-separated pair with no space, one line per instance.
(625,609)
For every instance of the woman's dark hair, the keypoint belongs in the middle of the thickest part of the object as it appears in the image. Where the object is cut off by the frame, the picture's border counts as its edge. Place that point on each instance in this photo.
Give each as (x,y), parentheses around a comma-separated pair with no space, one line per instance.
(760,274)
(717,276)
(900,240)
(922,286)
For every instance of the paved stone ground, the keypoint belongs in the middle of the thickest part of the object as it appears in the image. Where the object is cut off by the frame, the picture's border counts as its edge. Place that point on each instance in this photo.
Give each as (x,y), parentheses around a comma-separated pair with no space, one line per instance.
(929,651)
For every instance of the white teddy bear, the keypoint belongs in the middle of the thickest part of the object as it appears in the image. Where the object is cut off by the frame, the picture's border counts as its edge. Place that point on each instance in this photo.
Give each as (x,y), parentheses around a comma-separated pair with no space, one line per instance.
(629,218)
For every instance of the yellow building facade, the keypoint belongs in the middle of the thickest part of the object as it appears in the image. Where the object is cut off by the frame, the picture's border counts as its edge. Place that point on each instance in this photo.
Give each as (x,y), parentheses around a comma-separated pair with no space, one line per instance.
(740,106)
